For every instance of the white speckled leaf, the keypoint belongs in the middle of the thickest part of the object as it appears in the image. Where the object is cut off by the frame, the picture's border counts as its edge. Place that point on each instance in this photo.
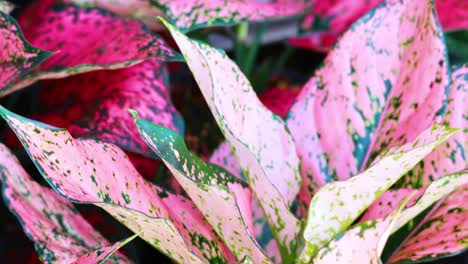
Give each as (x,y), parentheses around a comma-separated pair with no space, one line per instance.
(259,139)
(338,204)
(223,199)
(88,171)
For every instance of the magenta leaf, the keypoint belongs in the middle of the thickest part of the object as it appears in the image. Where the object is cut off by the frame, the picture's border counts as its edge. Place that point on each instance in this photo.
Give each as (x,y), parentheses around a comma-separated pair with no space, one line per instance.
(17,56)
(328,19)
(451,156)
(224,200)
(385,82)
(443,232)
(76,34)
(260,140)
(190,15)
(60,233)
(101,110)
(338,204)
(143,10)
(88,171)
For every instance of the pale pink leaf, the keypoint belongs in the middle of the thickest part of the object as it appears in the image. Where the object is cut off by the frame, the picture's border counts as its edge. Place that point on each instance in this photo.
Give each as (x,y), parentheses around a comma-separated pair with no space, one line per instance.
(384,82)
(444,232)
(259,138)
(76,34)
(223,199)
(59,232)
(338,204)
(102,255)
(88,171)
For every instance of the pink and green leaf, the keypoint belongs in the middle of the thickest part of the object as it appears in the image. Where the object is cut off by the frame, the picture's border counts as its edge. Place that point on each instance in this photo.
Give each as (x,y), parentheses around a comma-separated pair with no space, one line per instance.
(18,56)
(190,15)
(384,82)
(451,156)
(443,233)
(95,104)
(88,171)
(102,255)
(60,233)
(76,34)
(361,244)
(259,139)
(223,199)
(143,10)
(338,204)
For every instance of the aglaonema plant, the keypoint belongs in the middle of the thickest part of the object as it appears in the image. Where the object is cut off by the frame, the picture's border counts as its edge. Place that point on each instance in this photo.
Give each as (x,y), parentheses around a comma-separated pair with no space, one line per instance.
(370,149)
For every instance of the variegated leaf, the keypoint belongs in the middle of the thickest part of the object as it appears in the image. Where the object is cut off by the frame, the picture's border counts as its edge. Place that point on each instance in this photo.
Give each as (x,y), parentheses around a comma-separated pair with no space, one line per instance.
(77,34)
(101,109)
(451,156)
(223,199)
(336,205)
(385,81)
(361,244)
(443,232)
(102,255)
(259,138)
(88,171)
(60,233)
(143,10)
(17,56)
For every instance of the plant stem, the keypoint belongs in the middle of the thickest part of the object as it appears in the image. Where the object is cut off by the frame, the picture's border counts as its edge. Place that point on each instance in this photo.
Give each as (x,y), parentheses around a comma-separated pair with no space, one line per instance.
(241,37)
(253,51)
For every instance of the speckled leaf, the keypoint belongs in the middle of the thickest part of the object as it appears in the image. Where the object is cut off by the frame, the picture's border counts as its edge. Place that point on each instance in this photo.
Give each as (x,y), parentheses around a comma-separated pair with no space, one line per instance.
(336,205)
(259,138)
(385,81)
(443,233)
(361,244)
(142,10)
(387,203)
(328,19)
(17,56)
(77,33)
(101,109)
(451,156)
(6,7)
(189,15)
(88,171)
(224,200)
(60,233)
(102,255)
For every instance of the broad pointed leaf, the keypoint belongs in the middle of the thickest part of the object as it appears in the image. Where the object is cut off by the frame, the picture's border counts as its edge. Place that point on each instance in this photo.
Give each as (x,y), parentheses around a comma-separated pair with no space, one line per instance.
(451,156)
(17,56)
(259,138)
(189,15)
(387,203)
(361,244)
(382,85)
(77,33)
(102,255)
(443,233)
(337,204)
(88,171)
(143,10)
(60,233)
(224,200)
(328,19)
(101,109)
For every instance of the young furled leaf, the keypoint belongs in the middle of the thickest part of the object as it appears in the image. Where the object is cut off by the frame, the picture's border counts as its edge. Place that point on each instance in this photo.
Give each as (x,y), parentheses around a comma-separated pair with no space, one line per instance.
(17,56)
(443,232)
(259,138)
(60,233)
(76,34)
(94,104)
(223,199)
(88,171)
(328,20)
(385,81)
(336,205)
